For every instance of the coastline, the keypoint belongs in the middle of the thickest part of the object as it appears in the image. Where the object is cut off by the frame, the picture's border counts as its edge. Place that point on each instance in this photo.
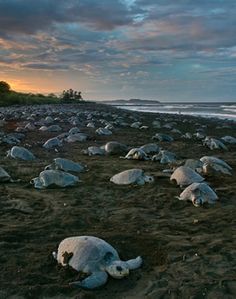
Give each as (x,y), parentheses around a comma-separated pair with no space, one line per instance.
(224,112)
(187,251)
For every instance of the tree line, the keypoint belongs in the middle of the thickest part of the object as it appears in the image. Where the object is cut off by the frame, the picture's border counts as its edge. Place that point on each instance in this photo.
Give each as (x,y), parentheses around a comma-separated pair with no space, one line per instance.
(67,95)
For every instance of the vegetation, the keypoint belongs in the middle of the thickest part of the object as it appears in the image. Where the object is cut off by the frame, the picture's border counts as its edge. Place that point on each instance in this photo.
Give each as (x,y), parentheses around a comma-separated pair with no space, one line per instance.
(4,87)
(9,97)
(71,95)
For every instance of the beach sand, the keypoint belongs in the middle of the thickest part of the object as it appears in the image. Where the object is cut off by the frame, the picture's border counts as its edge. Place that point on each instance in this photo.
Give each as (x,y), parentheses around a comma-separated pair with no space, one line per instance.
(188,252)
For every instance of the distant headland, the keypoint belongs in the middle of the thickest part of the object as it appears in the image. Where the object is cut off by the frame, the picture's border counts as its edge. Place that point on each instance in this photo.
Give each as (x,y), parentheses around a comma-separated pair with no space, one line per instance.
(132,102)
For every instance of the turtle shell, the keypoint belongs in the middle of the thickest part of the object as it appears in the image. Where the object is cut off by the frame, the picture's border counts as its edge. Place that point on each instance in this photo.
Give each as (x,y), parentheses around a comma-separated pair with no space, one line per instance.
(185,176)
(127,177)
(86,253)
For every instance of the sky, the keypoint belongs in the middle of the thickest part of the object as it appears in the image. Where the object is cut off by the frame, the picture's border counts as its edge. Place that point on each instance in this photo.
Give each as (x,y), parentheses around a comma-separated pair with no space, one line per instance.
(166,50)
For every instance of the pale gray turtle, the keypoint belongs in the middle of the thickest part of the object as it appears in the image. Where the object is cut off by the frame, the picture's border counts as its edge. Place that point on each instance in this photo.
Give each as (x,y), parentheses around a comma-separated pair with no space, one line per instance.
(109,126)
(19,152)
(212,164)
(199,135)
(136,154)
(144,128)
(187,135)
(136,125)
(131,176)
(156,124)
(103,131)
(150,148)
(114,148)
(214,143)
(176,131)
(54,128)
(58,178)
(30,127)
(52,142)
(76,137)
(4,176)
(229,139)
(91,125)
(48,120)
(65,165)
(196,165)
(165,157)
(43,128)
(11,140)
(94,257)
(74,130)
(162,137)
(94,151)
(199,193)
(184,176)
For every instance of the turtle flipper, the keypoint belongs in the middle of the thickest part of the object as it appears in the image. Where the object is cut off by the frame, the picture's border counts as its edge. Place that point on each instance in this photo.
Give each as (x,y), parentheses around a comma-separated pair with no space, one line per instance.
(94,281)
(135,263)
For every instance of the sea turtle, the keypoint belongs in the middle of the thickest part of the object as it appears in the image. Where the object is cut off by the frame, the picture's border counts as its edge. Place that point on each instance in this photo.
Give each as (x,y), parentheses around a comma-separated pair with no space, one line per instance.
(131,176)
(196,165)
(19,152)
(48,120)
(176,131)
(91,125)
(198,193)
(103,131)
(76,137)
(214,143)
(11,140)
(187,135)
(199,135)
(94,257)
(52,142)
(65,165)
(162,137)
(136,154)
(74,130)
(53,128)
(94,151)
(229,139)
(30,127)
(164,157)
(156,124)
(4,176)
(150,148)
(212,164)
(136,125)
(185,176)
(59,178)
(114,147)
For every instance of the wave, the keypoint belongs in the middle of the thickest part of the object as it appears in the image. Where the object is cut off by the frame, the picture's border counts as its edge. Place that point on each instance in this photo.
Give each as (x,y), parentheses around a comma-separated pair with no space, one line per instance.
(215,113)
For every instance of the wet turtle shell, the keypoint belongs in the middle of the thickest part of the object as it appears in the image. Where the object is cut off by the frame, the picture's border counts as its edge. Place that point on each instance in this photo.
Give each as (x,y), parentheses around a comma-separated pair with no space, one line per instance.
(185,176)
(131,176)
(57,178)
(199,193)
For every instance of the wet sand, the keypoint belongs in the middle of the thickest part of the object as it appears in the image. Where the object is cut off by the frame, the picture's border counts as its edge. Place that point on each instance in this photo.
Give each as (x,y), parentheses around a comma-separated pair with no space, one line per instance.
(188,252)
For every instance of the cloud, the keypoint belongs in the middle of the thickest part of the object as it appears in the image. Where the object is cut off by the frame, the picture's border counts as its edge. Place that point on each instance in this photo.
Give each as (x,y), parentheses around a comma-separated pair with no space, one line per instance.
(142,45)
(25,16)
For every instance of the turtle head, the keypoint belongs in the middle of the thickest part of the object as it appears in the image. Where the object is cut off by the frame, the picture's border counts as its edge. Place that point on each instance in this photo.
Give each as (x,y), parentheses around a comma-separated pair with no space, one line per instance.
(149,179)
(118,269)
(197,201)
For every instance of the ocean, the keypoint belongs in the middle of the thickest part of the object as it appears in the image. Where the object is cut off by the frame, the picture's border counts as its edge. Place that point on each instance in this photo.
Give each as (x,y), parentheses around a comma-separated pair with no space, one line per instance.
(209,110)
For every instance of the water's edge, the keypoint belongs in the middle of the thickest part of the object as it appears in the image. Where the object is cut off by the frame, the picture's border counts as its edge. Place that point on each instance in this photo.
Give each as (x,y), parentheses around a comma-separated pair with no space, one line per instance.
(220,111)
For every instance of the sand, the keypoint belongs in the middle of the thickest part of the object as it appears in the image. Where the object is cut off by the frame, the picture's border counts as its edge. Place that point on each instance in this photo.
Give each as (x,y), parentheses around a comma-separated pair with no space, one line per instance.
(188,252)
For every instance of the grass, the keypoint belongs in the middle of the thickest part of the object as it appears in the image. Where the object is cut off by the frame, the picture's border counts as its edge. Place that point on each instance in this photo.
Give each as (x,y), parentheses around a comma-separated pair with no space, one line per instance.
(16,98)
